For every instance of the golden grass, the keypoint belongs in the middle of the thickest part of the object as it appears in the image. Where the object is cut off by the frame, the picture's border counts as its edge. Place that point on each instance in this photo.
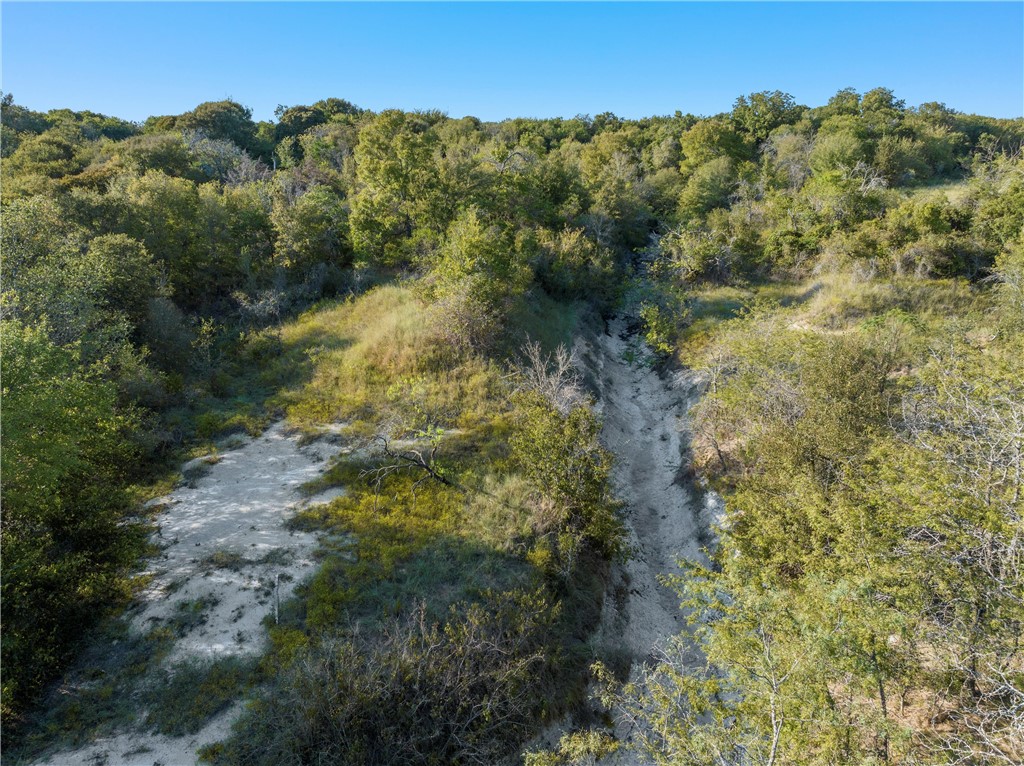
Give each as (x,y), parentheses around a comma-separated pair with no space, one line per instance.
(842,301)
(379,358)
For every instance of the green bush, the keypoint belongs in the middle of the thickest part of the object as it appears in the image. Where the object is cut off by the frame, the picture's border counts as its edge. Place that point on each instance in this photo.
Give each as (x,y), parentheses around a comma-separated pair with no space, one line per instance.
(66,546)
(465,691)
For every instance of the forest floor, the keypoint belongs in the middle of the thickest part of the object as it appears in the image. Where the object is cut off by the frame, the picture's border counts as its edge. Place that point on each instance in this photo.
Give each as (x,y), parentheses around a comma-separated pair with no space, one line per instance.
(226,561)
(667,516)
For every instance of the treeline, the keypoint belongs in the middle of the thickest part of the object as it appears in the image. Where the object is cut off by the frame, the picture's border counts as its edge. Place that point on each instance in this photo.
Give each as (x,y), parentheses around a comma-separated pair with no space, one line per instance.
(143,262)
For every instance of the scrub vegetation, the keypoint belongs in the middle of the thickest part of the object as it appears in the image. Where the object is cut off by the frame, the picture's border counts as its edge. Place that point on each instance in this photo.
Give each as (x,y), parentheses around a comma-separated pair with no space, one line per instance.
(847,280)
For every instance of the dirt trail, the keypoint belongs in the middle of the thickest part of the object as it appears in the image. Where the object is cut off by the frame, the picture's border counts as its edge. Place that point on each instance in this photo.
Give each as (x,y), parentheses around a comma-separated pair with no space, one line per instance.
(226,561)
(646,426)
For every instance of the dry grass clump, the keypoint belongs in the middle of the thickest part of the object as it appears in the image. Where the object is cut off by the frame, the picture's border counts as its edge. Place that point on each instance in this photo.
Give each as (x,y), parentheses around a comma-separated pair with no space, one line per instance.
(383,357)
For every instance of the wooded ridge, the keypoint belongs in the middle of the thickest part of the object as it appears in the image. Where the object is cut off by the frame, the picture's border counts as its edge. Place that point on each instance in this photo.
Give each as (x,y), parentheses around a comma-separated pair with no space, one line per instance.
(838,290)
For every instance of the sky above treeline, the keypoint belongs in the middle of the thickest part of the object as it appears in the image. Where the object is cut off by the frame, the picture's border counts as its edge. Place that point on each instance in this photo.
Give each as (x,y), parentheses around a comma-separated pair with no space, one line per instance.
(498,60)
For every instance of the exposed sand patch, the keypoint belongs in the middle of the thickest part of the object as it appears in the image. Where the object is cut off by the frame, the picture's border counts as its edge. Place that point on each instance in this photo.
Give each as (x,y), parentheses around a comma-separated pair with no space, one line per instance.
(226,561)
(226,545)
(135,749)
(646,426)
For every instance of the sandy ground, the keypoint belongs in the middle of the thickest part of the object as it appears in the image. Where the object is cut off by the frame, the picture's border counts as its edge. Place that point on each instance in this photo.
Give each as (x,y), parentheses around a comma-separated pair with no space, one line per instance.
(226,559)
(646,427)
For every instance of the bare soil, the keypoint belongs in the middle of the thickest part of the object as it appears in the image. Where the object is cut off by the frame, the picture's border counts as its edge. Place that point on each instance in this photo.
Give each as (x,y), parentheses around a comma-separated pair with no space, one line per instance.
(227,561)
(668,518)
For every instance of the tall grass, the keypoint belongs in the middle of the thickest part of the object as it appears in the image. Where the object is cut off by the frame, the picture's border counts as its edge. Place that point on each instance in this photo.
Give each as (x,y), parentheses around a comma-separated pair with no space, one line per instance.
(835,302)
(379,359)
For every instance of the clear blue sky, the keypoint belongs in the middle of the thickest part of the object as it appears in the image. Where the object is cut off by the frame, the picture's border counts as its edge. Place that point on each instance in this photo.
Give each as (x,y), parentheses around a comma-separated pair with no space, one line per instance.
(502,60)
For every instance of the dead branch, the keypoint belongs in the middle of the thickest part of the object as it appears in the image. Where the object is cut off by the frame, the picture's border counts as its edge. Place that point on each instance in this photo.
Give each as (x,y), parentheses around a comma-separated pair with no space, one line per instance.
(412,460)
(553,376)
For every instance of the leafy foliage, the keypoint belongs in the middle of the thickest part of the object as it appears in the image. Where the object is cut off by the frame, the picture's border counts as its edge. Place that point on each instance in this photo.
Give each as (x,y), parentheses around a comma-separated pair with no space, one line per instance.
(155,279)
(66,544)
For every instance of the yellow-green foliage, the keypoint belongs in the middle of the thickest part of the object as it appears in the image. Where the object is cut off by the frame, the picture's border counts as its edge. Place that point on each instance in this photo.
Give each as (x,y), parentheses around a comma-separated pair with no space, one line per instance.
(575,749)
(839,301)
(502,513)
(66,446)
(377,364)
(404,540)
(709,306)
(832,303)
(381,529)
(861,432)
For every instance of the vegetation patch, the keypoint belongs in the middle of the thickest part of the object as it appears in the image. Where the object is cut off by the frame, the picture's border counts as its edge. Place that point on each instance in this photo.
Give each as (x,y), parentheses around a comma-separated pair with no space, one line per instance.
(188,695)
(100,696)
(849,277)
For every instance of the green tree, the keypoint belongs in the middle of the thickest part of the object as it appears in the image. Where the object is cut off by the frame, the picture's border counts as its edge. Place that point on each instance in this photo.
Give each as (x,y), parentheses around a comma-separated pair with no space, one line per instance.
(760,113)
(482,255)
(40,161)
(65,546)
(166,215)
(611,167)
(837,152)
(395,179)
(165,152)
(561,456)
(710,140)
(128,277)
(227,120)
(313,230)
(708,187)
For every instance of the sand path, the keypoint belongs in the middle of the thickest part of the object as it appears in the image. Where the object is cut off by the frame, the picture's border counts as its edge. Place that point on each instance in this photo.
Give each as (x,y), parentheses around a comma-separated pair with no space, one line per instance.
(646,426)
(227,557)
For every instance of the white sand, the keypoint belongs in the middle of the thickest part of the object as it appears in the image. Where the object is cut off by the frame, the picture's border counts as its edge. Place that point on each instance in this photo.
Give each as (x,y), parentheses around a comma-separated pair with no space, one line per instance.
(235,507)
(646,426)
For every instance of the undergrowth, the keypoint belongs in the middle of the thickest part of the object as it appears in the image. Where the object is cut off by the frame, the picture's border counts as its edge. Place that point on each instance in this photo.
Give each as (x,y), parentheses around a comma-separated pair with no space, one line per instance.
(414,571)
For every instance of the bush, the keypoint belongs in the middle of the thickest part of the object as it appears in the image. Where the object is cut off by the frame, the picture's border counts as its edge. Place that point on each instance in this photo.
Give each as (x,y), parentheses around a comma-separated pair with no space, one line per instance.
(572,266)
(466,691)
(66,546)
(561,456)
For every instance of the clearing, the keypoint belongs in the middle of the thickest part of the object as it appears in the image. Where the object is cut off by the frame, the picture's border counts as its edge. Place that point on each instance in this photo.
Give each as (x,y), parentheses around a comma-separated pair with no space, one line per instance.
(227,560)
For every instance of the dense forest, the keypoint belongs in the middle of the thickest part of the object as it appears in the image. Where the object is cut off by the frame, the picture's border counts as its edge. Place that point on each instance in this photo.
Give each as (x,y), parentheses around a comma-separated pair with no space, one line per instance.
(844,282)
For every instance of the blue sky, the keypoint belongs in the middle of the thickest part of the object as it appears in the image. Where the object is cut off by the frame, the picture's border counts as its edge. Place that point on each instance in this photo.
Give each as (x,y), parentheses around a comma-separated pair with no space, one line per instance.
(496,60)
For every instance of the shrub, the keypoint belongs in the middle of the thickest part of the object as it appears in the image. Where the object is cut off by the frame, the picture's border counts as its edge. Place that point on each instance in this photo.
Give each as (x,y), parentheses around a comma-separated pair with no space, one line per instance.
(561,456)
(465,691)
(66,545)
